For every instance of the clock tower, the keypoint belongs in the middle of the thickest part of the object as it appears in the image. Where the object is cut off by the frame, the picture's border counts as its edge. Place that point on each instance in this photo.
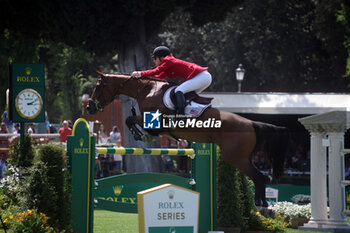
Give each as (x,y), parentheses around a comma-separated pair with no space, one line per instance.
(27,93)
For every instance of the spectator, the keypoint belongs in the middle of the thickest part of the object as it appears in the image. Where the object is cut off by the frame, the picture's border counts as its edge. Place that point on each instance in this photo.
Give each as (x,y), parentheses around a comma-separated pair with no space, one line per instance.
(297,159)
(44,127)
(2,165)
(3,128)
(64,131)
(114,135)
(53,129)
(102,136)
(118,158)
(17,128)
(7,122)
(31,128)
(70,124)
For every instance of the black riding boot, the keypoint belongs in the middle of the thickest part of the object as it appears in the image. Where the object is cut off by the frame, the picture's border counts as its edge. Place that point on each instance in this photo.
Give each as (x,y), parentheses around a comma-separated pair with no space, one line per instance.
(180,103)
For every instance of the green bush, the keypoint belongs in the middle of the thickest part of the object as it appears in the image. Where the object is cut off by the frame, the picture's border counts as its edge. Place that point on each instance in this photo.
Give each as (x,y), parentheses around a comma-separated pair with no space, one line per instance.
(20,160)
(236,202)
(47,186)
(22,157)
(230,206)
(37,179)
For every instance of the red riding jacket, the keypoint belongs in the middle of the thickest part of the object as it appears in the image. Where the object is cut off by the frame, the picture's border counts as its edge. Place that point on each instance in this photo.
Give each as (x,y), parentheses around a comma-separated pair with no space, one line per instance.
(174,68)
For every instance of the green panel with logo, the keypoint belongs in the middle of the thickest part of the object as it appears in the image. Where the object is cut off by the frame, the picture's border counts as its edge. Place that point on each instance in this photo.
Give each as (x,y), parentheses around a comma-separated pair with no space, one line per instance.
(204,170)
(170,229)
(27,92)
(79,149)
(119,193)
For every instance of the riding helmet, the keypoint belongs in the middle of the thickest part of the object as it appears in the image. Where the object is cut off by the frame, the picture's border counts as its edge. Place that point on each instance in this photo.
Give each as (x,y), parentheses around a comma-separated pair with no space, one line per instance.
(161,51)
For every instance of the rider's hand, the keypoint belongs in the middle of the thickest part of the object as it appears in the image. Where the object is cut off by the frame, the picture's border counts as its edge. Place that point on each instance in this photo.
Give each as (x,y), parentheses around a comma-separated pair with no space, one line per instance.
(136,74)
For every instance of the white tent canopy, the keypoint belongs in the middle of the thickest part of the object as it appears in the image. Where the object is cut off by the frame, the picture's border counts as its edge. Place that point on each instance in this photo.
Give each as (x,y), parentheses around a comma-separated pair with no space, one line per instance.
(280,103)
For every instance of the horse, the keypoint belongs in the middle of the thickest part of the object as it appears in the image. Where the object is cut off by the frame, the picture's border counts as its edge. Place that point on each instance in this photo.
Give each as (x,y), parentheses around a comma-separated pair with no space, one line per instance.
(238,138)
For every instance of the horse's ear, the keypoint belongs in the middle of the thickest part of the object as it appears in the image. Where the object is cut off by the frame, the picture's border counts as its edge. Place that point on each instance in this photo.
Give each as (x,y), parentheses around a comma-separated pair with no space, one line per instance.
(102,75)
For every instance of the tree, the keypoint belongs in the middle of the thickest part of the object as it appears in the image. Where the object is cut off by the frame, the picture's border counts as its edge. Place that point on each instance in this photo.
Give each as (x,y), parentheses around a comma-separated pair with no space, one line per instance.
(111,25)
(289,46)
(343,16)
(14,48)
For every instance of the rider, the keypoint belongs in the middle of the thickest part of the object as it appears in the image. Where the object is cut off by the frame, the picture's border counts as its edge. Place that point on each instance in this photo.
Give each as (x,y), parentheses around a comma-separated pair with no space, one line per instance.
(196,78)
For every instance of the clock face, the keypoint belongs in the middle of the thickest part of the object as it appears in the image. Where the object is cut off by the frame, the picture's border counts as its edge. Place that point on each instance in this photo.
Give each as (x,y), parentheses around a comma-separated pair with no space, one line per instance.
(29,103)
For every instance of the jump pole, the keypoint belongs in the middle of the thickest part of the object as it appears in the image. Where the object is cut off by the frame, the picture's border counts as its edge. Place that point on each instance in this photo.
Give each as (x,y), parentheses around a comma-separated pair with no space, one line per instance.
(80,148)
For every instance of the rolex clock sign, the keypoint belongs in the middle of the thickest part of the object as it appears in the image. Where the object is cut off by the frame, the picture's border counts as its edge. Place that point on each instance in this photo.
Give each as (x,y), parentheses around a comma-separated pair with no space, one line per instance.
(27,92)
(168,208)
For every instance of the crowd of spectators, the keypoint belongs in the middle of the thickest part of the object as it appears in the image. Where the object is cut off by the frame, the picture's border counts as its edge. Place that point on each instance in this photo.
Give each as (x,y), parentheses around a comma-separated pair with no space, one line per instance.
(296,163)
(108,164)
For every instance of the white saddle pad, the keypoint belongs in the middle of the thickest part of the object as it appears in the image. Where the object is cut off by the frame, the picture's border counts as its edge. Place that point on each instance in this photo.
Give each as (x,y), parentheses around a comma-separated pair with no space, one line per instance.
(192,108)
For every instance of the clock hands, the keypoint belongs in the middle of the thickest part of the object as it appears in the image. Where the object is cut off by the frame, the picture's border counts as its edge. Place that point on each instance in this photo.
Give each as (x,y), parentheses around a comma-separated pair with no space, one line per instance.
(32,103)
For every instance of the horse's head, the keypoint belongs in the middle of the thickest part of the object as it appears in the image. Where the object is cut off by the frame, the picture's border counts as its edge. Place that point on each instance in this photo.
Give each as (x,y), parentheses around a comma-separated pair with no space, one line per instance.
(102,95)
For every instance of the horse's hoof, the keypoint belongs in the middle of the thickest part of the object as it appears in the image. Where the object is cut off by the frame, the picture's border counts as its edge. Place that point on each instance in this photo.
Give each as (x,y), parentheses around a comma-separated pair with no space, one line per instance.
(137,137)
(148,138)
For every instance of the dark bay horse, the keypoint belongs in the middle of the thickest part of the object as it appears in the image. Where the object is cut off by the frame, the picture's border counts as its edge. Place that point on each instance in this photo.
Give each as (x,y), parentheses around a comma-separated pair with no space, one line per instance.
(238,137)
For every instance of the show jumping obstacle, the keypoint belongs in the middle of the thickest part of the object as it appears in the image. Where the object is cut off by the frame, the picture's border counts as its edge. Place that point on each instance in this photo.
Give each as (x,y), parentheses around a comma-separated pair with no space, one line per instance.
(145,151)
(238,138)
(118,193)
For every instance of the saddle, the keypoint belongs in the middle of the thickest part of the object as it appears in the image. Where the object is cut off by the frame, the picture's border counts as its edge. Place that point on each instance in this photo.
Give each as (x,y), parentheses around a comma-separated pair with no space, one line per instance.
(195,104)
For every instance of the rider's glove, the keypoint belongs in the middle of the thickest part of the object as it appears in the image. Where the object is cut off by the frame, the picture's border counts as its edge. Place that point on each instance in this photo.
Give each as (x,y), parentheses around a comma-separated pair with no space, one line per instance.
(136,74)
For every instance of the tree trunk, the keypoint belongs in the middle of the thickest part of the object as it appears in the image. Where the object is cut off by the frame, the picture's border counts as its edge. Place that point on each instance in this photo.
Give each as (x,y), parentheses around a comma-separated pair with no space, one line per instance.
(131,58)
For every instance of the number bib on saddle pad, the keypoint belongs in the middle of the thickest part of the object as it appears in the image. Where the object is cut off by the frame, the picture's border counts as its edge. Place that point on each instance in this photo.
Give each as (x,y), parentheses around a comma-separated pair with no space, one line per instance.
(195,104)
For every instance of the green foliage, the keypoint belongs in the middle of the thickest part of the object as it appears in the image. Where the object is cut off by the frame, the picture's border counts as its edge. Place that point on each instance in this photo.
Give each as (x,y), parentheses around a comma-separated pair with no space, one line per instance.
(22,157)
(67,70)
(101,26)
(42,185)
(46,188)
(230,206)
(29,221)
(343,16)
(14,47)
(258,222)
(284,46)
(235,203)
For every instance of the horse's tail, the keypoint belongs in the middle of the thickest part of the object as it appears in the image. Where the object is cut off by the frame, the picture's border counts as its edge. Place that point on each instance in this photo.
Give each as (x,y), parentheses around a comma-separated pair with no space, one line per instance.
(274,141)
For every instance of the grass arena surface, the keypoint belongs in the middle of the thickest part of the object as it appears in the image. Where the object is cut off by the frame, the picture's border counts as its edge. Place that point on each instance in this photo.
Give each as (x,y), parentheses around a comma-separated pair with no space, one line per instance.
(114,222)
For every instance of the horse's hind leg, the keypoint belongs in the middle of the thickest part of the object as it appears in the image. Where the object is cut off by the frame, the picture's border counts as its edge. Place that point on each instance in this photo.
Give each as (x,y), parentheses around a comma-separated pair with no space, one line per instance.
(246,167)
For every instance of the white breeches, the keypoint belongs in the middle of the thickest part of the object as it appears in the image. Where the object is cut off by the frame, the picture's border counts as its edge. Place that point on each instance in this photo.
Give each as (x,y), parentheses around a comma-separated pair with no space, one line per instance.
(198,83)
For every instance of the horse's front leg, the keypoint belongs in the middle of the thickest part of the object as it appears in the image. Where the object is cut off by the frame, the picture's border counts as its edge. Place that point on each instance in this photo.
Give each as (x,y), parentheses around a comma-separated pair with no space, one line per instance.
(131,122)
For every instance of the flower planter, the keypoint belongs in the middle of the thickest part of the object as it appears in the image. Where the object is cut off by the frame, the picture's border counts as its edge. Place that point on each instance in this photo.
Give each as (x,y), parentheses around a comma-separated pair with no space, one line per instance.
(230,229)
(295,222)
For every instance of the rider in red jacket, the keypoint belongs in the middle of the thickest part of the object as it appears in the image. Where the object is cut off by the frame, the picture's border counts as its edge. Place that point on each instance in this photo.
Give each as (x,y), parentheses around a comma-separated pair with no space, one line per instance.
(196,78)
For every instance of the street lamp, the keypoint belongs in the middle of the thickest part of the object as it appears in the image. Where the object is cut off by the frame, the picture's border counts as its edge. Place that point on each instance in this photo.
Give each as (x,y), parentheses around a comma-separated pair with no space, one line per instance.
(240,76)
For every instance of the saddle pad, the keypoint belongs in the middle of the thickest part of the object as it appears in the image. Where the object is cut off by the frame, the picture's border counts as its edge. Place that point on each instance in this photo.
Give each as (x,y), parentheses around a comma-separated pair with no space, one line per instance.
(192,108)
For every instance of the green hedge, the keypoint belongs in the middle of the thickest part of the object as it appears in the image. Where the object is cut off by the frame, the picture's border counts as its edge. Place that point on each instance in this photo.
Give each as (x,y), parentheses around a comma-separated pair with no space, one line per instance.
(236,207)
(37,179)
